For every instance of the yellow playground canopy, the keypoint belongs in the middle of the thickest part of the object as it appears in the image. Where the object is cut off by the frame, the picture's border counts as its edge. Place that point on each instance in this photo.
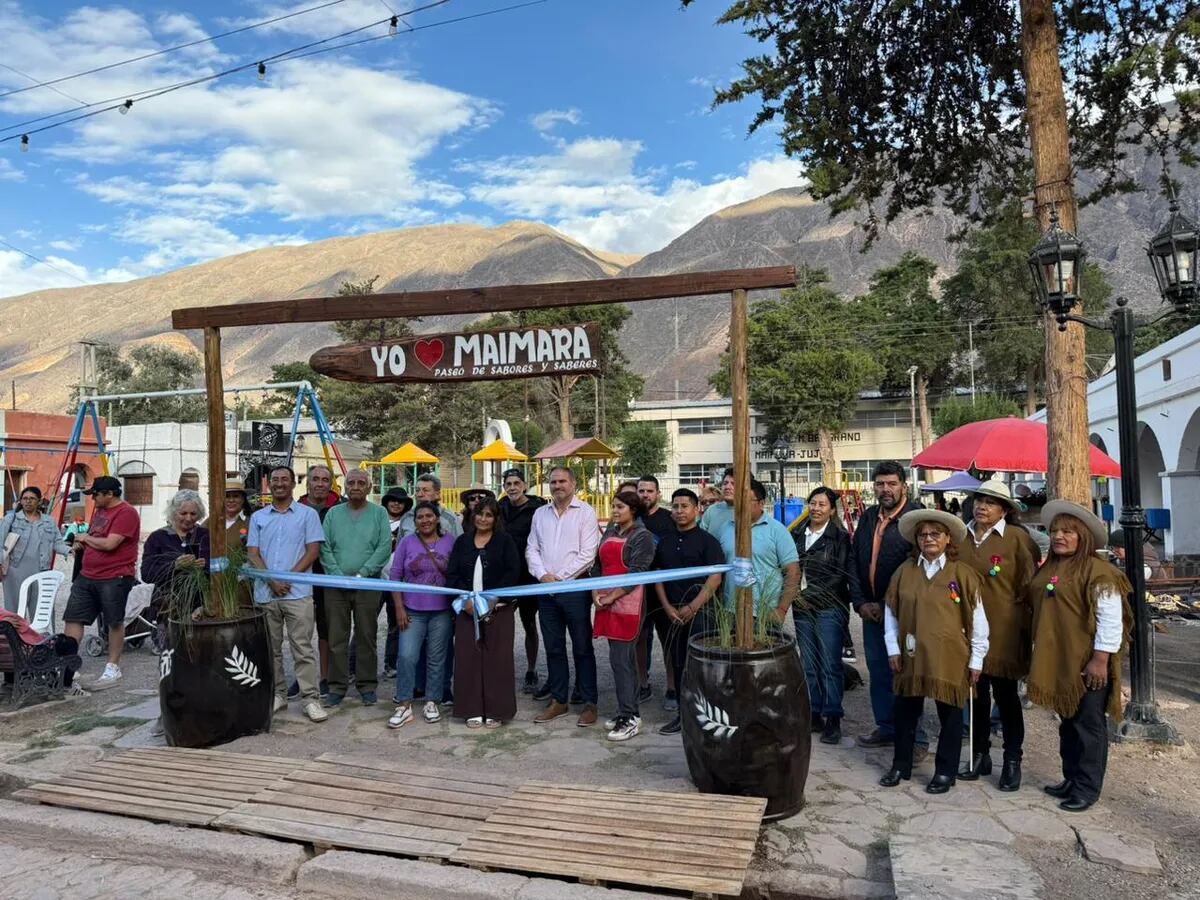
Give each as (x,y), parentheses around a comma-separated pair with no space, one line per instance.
(499,451)
(408,455)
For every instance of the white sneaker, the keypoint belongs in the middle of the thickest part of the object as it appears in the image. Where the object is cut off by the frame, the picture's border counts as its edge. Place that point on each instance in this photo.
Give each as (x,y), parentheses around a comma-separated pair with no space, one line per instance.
(313,710)
(401,717)
(626,728)
(110,677)
(280,703)
(76,690)
(610,724)
(430,712)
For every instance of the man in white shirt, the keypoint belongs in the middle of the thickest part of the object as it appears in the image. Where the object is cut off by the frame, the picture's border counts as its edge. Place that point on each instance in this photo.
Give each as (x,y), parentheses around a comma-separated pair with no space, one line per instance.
(562,544)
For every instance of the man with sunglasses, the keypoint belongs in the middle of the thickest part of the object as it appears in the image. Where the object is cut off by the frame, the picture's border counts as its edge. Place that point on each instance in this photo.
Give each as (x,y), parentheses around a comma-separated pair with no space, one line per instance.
(107,575)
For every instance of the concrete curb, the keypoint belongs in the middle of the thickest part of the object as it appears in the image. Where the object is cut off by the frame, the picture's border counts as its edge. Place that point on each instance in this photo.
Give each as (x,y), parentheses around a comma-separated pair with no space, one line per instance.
(256,858)
(347,874)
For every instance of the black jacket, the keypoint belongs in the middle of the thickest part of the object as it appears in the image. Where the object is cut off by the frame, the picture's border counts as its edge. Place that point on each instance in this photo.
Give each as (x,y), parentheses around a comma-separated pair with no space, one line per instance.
(893,550)
(826,568)
(501,563)
(518,522)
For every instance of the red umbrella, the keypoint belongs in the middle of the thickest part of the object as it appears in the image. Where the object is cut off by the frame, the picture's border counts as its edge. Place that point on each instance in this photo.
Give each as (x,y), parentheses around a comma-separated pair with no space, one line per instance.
(1002,445)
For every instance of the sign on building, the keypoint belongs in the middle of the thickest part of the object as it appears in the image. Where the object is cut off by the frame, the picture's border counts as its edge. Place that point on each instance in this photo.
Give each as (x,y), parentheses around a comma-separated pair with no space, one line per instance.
(266,436)
(477,355)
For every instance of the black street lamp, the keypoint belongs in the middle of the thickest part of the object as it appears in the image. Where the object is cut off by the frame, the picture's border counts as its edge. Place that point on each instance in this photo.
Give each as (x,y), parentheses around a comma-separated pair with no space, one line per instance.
(781,449)
(1057,266)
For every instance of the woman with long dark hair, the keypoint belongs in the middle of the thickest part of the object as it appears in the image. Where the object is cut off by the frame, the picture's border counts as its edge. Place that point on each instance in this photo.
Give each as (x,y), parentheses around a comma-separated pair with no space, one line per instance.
(1081,621)
(627,546)
(484,690)
(822,610)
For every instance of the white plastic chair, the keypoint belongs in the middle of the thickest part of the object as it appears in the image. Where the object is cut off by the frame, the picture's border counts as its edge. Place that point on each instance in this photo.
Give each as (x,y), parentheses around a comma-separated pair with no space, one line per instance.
(48,584)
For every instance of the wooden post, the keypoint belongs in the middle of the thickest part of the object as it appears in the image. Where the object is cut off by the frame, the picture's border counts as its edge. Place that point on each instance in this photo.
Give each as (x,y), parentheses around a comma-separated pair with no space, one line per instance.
(214,384)
(1050,149)
(740,389)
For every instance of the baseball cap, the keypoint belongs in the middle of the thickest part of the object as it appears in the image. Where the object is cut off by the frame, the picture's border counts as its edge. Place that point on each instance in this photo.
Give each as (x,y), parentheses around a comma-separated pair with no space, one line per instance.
(504,476)
(104,483)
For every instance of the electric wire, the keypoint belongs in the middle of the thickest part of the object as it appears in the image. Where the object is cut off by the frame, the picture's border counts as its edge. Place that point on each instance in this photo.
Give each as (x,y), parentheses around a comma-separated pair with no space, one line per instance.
(43,262)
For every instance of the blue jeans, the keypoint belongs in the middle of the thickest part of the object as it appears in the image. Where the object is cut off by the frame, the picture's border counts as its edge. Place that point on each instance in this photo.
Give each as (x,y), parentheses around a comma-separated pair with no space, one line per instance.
(431,631)
(423,668)
(560,615)
(819,634)
(883,700)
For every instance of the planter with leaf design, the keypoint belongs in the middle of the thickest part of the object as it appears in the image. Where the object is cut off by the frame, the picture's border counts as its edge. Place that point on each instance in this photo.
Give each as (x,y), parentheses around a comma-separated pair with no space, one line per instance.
(216,680)
(746,722)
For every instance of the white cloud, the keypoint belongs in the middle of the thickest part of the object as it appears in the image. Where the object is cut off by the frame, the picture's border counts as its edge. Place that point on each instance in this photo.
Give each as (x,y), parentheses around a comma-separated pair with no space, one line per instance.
(176,240)
(65,246)
(593,190)
(549,119)
(21,275)
(9,172)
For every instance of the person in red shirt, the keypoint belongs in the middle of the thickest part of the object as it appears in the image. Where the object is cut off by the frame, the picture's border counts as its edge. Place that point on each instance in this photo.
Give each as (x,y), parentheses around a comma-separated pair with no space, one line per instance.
(107,576)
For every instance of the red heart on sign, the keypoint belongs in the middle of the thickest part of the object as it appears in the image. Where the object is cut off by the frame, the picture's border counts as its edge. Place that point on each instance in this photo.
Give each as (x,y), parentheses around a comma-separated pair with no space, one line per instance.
(429,353)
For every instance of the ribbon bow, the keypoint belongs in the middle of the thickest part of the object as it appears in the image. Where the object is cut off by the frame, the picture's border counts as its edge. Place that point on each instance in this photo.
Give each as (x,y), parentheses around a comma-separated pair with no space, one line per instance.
(742,574)
(476,601)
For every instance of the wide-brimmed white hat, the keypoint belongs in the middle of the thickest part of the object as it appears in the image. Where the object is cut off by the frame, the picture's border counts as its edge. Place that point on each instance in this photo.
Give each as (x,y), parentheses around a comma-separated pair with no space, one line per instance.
(1066,508)
(997,490)
(910,520)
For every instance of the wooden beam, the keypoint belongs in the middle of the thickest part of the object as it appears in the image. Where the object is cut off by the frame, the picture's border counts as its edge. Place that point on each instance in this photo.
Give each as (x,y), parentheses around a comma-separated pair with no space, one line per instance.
(740,391)
(483,300)
(215,385)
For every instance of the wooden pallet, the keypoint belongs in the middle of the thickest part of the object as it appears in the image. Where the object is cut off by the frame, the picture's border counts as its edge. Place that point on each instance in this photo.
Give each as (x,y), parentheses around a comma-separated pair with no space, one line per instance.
(690,842)
(188,787)
(386,806)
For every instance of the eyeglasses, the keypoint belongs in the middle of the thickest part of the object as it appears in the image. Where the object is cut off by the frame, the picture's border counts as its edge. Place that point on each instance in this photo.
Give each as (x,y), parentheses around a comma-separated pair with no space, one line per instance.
(929,535)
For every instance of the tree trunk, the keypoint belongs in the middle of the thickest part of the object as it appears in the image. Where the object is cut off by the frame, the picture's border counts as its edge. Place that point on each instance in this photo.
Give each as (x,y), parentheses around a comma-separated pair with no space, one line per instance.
(923,410)
(1031,394)
(1050,148)
(825,454)
(564,415)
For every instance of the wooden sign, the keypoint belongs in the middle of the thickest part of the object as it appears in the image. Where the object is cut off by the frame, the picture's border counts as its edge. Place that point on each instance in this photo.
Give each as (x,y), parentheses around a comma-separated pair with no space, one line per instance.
(474,356)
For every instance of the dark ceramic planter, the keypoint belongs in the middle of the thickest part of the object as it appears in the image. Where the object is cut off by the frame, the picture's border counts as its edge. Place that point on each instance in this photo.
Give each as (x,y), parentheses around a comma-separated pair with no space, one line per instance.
(216,681)
(746,723)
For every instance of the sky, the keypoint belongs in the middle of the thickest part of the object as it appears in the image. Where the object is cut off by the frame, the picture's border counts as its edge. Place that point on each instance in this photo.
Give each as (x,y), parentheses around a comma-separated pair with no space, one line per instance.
(593,116)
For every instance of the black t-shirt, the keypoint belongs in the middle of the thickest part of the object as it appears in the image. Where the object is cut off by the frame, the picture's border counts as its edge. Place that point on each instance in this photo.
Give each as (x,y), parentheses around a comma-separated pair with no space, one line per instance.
(659,523)
(686,550)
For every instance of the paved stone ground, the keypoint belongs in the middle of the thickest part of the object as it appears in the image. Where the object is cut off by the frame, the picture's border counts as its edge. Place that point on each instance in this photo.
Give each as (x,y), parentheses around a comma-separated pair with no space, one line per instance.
(853,839)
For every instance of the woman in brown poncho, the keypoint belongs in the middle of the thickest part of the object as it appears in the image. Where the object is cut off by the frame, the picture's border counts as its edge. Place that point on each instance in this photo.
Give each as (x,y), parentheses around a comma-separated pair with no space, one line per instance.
(998,549)
(1081,621)
(936,633)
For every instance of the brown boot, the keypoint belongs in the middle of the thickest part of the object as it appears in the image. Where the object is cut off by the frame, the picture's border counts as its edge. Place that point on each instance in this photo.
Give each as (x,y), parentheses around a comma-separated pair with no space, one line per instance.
(553,711)
(587,717)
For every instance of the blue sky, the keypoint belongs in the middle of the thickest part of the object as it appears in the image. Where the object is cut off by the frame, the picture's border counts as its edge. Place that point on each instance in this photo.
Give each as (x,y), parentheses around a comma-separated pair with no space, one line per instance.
(590,115)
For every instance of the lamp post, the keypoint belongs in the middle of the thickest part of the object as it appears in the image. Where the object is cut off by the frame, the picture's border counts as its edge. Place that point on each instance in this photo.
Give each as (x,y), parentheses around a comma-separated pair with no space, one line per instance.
(1056,263)
(912,409)
(781,449)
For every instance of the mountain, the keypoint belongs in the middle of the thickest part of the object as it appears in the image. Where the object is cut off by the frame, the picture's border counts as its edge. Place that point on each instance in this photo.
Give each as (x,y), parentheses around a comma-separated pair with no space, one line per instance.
(673,343)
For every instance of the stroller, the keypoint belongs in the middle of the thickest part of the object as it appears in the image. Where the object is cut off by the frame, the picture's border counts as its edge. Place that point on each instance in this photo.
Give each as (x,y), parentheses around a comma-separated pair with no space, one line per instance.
(142,610)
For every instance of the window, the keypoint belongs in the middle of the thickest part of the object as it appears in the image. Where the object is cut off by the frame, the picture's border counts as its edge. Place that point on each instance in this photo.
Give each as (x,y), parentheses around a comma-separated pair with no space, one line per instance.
(1166,369)
(692,474)
(139,490)
(706,426)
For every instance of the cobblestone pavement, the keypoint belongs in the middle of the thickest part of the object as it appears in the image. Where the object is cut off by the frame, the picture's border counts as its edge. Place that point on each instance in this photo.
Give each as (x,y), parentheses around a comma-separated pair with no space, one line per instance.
(852,839)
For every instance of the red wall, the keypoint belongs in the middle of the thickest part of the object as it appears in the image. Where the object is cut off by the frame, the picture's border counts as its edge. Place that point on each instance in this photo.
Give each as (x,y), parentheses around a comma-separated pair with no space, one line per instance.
(45,432)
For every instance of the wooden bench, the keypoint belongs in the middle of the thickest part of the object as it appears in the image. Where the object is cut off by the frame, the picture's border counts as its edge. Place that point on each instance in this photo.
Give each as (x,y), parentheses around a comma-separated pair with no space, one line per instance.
(37,670)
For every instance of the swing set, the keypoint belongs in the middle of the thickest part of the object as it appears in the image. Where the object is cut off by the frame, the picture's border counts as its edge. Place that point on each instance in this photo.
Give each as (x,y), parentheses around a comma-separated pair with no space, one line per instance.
(89,411)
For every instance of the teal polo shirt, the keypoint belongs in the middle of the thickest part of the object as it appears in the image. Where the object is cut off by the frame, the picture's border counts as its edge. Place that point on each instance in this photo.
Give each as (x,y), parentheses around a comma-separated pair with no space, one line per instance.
(772,549)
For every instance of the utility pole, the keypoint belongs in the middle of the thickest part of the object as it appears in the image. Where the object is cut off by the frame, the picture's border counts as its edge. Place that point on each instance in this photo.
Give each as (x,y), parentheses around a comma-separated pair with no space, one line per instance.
(971,356)
(676,347)
(912,408)
(1050,151)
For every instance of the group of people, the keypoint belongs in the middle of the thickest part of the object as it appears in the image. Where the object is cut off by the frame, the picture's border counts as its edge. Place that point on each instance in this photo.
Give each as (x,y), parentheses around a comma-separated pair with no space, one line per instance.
(958,612)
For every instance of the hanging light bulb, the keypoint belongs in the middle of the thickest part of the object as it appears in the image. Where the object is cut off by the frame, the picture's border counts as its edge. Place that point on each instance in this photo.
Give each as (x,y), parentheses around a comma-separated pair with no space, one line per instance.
(125,107)
(262,71)
(394,25)
(24,143)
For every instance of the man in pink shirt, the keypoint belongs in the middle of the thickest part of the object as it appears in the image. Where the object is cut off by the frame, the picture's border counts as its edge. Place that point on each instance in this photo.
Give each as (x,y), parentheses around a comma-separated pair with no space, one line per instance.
(562,544)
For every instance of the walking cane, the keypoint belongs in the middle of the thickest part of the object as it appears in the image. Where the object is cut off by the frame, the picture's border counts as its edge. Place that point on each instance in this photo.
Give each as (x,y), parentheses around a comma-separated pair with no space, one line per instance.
(971,726)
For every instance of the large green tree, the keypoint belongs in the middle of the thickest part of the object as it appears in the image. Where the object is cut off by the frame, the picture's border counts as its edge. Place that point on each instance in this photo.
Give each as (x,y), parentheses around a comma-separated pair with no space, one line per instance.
(908,326)
(806,365)
(643,447)
(894,106)
(147,368)
(955,412)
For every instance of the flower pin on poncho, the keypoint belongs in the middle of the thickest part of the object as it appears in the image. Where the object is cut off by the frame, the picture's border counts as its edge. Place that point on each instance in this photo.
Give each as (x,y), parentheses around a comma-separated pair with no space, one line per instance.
(1050,585)
(995,569)
(954,595)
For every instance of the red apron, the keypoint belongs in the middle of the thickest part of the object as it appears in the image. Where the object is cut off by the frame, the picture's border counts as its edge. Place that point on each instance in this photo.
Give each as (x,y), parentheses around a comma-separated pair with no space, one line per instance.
(623,620)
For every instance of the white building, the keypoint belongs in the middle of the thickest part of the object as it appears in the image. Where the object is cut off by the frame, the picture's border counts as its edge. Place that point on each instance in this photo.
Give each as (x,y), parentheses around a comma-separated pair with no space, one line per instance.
(1168,400)
(154,461)
(700,436)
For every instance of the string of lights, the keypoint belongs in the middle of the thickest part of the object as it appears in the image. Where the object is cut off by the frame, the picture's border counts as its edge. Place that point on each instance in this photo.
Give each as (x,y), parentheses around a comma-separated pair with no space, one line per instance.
(260,66)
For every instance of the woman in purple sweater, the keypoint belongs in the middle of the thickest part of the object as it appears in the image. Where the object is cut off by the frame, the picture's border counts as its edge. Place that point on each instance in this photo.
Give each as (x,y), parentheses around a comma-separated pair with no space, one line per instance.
(425,620)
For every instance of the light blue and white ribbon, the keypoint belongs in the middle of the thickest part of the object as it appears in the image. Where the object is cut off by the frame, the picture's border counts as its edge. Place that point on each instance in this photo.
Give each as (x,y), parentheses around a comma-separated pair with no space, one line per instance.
(742,572)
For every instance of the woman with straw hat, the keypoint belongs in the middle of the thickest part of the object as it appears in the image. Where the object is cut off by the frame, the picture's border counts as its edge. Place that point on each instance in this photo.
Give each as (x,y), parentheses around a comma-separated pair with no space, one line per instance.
(1081,621)
(997,548)
(936,633)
